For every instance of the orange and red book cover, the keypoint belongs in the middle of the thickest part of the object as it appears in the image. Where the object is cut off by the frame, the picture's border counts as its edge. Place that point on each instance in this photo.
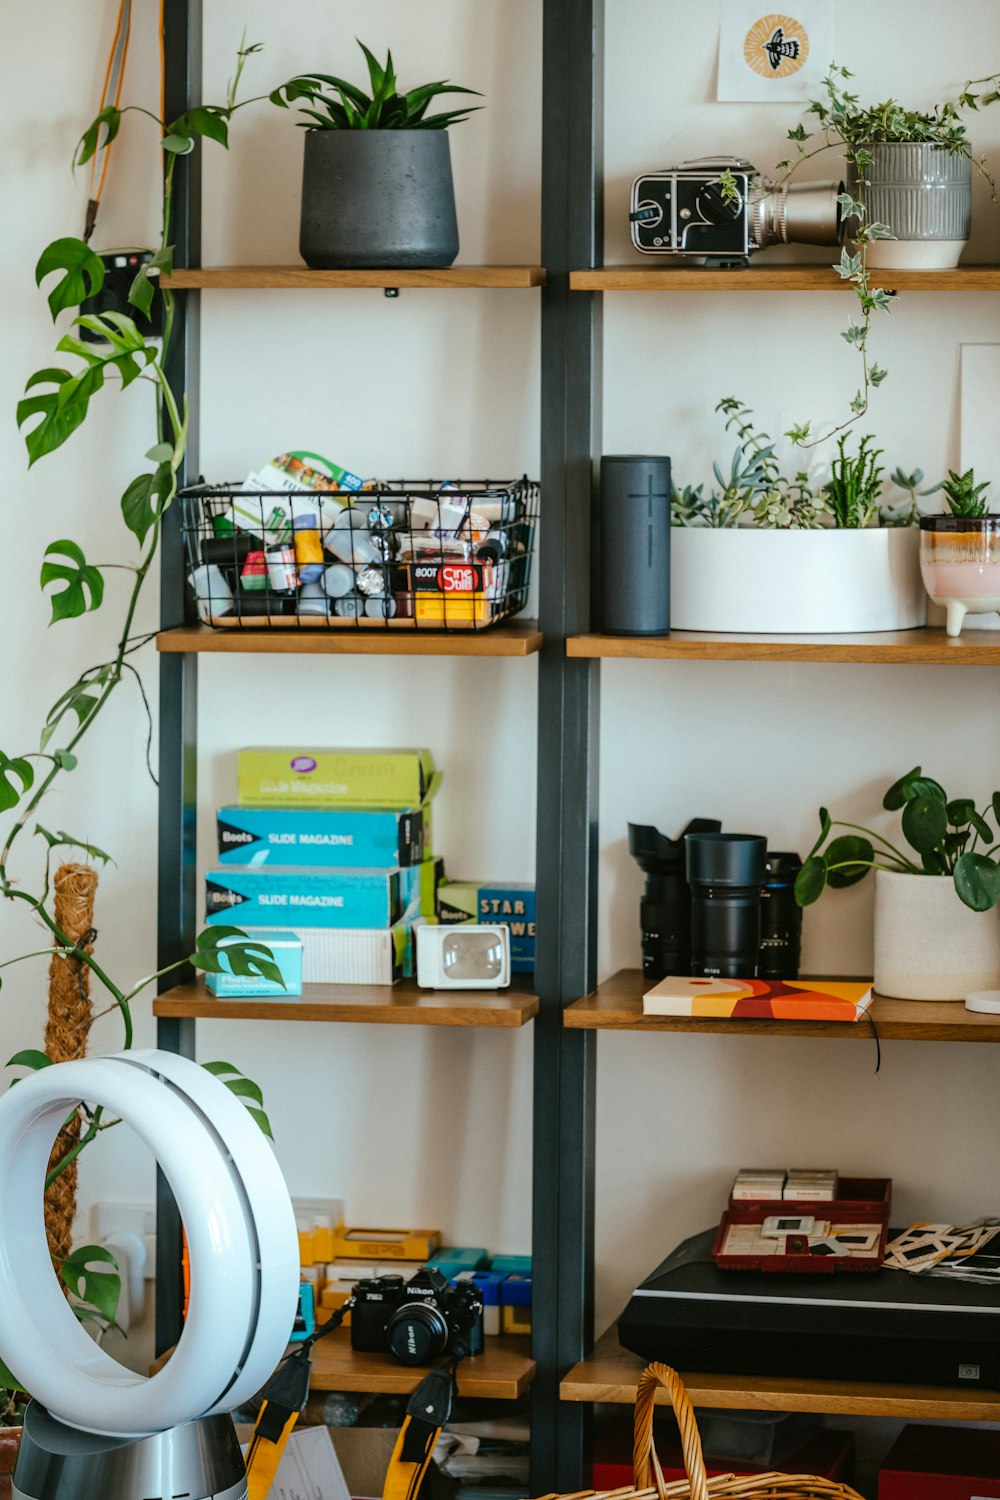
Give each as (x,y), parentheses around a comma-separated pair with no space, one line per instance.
(759,999)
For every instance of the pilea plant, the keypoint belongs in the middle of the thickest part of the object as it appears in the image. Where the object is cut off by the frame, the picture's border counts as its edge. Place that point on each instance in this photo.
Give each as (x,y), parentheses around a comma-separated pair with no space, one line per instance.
(56,404)
(947,837)
(839,122)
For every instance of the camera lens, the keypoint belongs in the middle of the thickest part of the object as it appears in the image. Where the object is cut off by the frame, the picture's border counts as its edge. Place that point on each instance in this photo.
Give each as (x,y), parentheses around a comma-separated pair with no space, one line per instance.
(725,872)
(416,1333)
(780,918)
(665,906)
(803,213)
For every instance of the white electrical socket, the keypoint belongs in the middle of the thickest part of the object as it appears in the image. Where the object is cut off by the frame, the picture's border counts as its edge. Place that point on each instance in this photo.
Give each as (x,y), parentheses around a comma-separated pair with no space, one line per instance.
(108,1219)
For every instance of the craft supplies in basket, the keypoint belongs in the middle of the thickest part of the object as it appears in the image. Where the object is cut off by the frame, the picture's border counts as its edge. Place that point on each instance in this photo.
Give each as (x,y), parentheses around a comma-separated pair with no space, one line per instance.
(651,1485)
(410,555)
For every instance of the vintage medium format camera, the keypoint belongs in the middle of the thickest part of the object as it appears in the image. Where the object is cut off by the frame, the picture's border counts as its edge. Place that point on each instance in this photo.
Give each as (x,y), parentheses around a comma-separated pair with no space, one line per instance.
(417,1320)
(685,210)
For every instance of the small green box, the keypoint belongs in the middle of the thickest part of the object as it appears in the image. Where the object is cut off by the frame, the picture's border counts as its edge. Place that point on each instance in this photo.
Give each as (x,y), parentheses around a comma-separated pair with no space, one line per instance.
(271,776)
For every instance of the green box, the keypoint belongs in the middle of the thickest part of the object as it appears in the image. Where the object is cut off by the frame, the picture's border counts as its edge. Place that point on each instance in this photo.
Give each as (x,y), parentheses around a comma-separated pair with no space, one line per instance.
(271,776)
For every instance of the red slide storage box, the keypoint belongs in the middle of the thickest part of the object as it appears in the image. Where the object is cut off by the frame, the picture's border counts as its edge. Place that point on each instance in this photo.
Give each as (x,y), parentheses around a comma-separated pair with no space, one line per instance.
(942,1463)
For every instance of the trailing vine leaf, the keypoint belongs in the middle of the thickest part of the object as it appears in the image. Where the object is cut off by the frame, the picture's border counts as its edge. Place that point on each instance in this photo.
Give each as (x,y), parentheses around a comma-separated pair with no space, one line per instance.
(63,409)
(143,288)
(110,120)
(80,699)
(11,767)
(238,955)
(84,273)
(83,584)
(205,119)
(65,760)
(178,145)
(63,840)
(244,1088)
(29,1058)
(95,1288)
(58,421)
(147,497)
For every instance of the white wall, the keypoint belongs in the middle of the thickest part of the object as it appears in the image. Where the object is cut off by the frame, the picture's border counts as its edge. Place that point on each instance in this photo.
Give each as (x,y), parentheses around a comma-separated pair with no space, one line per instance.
(439,382)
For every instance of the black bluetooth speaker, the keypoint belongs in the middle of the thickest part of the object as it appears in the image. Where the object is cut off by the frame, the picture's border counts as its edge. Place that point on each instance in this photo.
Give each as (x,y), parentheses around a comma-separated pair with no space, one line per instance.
(635,545)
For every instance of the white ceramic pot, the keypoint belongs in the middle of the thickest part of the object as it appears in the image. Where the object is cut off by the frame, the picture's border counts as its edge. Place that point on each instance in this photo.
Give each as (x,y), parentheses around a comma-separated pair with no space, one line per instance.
(795,582)
(928,944)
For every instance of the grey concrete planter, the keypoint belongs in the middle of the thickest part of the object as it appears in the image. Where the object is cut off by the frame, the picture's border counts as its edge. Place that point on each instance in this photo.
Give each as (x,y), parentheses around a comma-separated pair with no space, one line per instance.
(377,198)
(924,194)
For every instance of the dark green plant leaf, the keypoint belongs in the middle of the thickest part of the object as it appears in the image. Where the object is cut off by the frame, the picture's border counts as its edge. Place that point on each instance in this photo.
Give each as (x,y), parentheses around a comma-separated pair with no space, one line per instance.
(220,1068)
(95,1288)
(925,822)
(83,585)
(977,881)
(241,955)
(110,119)
(205,119)
(84,273)
(899,792)
(824,829)
(996,807)
(29,1058)
(178,145)
(63,840)
(58,422)
(146,498)
(244,1088)
(11,767)
(934,863)
(960,811)
(146,283)
(811,880)
(981,826)
(848,859)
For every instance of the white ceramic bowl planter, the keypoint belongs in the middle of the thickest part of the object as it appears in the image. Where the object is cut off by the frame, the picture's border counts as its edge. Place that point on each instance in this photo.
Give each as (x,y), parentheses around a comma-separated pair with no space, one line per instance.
(739,579)
(928,944)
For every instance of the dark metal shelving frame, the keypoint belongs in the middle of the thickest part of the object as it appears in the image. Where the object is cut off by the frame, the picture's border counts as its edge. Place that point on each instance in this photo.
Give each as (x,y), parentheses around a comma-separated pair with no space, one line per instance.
(564,1060)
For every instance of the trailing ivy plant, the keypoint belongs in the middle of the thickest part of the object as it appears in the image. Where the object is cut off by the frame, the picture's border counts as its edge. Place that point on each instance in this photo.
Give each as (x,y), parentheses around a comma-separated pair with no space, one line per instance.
(947,837)
(838,121)
(56,403)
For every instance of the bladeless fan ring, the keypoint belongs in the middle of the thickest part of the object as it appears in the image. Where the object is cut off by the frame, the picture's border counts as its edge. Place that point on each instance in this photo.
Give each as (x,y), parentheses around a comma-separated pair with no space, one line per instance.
(240,1231)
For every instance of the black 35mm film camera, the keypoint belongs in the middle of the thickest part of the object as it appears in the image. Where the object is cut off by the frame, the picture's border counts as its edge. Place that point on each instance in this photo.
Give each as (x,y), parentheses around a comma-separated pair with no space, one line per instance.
(686,210)
(416,1320)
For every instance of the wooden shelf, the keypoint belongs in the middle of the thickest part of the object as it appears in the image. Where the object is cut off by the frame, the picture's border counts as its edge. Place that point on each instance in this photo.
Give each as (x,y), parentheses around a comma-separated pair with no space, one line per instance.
(502,1372)
(775,278)
(257,278)
(372,1004)
(616,1005)
(925,646)
(520,638)
(612,1374)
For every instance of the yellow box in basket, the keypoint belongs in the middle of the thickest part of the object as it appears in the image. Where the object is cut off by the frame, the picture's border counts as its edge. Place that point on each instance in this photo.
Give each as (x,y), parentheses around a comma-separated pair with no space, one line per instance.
(447,609)
(385,1244)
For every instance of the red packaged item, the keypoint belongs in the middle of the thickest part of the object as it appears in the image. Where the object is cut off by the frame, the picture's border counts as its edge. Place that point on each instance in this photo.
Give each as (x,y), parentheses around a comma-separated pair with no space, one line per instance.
(847,1233)
(942,1463)
(827,1455)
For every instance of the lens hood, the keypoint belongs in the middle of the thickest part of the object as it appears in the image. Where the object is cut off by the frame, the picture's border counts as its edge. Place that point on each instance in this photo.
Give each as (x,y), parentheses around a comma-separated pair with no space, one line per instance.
(726,859)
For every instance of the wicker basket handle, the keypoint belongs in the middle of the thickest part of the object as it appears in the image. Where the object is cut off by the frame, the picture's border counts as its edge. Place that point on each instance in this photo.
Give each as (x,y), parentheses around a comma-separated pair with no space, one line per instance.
(647,1465)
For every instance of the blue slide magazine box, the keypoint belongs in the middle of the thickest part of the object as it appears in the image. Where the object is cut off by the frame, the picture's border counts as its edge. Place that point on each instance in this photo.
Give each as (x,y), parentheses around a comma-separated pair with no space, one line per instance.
(256,897)
(337,838)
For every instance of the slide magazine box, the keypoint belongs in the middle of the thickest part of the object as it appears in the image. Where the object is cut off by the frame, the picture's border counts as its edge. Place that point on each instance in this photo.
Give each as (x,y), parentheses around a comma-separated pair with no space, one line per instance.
(346,955)
(510,903)
(341,838)
(276,777)
(251,897)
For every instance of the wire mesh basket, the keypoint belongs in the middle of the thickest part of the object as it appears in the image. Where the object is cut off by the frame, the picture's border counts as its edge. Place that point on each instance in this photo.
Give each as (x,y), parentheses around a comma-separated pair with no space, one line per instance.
(399,555)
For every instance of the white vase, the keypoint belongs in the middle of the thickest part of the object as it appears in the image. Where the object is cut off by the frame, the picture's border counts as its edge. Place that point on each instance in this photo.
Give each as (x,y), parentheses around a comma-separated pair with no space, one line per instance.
(740,579)
(928,944)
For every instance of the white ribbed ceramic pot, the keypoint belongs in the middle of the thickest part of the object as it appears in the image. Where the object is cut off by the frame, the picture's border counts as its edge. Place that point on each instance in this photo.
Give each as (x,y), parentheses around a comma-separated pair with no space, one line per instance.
(924,194)
(928,944)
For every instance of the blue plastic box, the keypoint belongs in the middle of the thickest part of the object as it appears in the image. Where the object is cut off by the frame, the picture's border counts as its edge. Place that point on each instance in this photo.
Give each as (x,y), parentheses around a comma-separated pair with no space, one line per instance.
(286,950)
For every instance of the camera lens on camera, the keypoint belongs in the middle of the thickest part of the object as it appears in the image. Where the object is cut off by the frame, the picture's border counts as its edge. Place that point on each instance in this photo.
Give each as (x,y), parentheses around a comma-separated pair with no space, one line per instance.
(417,1332)
(780,918)
(725,872)
(665,905)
